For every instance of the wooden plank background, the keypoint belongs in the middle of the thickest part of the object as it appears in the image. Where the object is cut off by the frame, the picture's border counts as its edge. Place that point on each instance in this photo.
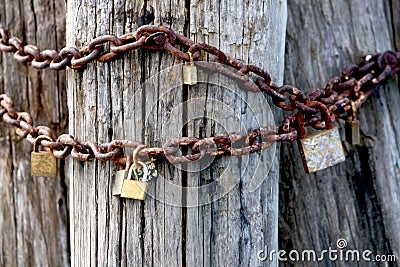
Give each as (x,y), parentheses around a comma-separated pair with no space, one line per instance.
(106,102)
(33,211)
(357,200)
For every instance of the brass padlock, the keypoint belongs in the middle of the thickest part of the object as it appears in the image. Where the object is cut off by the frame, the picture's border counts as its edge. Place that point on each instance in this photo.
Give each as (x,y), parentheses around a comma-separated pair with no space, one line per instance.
(322,149)
(352,127)
(120,176)
(43,163)
(136,189)
(190,72)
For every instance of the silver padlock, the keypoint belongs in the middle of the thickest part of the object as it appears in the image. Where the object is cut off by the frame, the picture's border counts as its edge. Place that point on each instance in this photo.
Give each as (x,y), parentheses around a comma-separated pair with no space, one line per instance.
(322,149)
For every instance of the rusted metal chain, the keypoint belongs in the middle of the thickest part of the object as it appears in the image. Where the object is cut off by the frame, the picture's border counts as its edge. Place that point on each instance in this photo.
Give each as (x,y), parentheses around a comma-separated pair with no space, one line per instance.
(355,84)
(66,145)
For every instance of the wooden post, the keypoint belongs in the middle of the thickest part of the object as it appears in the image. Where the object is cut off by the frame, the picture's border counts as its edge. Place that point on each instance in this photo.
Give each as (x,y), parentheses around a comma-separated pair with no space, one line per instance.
(106,102)
(358,200)
(33,211)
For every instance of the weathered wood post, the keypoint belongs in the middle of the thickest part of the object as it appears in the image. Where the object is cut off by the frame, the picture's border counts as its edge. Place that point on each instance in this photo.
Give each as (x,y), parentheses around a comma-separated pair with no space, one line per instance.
(106,102)
(357,200)
(33,211)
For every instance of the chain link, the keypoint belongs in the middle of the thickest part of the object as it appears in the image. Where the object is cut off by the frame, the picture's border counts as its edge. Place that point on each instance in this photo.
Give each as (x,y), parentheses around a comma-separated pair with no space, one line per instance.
(356,83)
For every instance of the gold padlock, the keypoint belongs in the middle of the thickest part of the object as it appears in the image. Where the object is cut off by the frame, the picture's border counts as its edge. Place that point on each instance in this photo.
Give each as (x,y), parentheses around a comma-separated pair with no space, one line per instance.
(352,127)
(190,72)
(43,163)
(120,176)
(322,149)
(135,189)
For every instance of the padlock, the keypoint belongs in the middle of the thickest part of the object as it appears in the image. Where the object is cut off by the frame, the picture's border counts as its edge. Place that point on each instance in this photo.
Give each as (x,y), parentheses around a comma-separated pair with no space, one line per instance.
(190,72)
(352,127)
(135,189)
(120,176)
(322,149)
(43,163)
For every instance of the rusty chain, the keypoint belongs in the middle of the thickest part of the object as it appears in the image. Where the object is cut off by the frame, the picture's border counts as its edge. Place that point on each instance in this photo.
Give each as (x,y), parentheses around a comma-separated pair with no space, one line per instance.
(356,83)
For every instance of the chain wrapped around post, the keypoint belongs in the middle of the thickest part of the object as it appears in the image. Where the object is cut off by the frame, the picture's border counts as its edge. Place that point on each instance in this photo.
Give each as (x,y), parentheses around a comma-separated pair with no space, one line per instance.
(342,94)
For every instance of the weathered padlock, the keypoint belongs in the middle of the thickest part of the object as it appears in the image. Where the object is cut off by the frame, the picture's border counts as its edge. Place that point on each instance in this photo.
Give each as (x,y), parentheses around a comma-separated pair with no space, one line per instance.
(120,176)
(352,127)
(43,163)
(322,149)
(135,189)
(190,72)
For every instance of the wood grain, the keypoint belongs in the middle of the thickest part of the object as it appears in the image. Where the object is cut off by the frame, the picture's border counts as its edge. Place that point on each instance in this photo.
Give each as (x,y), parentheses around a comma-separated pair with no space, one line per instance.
(124,99)
(34,211)
(231,230)
(355,200)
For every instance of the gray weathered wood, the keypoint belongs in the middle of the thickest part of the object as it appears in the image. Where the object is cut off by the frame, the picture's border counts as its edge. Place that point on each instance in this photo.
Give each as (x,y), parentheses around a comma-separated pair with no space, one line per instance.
(107,101)
(33,211)
(358,200)
(233,229)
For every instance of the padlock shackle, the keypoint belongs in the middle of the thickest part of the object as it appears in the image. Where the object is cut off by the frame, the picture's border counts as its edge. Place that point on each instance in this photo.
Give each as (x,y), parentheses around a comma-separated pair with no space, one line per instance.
(39,139)
(145,171)
(135,155)
(324,114)
(191,60)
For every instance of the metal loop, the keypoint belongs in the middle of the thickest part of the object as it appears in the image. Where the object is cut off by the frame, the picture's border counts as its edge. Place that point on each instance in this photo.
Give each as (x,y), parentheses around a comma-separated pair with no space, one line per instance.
(31,50)
(4,34)
(324,111)
(145,171)
(17,43)
(147,30)
(101,40)
(38,141)
(135,155)
(21,57)
(81,62)
(128,47)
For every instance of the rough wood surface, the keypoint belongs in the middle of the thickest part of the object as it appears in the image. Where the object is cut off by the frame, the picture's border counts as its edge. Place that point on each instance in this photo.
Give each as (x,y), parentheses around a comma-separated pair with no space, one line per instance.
(233,229)
(33,211)
(358,200)
(107,101)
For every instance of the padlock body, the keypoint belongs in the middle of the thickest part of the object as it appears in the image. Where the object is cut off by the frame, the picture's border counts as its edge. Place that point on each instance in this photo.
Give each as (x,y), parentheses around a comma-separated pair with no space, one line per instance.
(43,164)
(353,132)
(321,150)
(134,189)
(120,176)
(189,74)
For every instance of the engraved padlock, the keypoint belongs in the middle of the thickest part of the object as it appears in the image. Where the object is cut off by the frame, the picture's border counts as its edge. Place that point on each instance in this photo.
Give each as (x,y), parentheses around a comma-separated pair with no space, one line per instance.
(322,149)
(190,71)
(352,127)
(43,163)
(136,189)
(120,176)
